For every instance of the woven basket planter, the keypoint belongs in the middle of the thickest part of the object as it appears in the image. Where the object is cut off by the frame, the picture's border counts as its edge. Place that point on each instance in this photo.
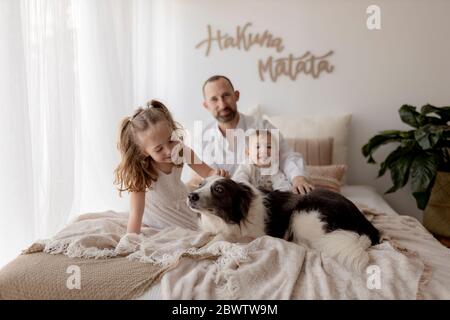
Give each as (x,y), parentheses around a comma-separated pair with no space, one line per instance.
(436,217)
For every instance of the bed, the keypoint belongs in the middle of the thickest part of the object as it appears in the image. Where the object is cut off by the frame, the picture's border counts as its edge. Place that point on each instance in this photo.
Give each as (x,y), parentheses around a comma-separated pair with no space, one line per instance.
(437,256)
(417,268)
(181,264)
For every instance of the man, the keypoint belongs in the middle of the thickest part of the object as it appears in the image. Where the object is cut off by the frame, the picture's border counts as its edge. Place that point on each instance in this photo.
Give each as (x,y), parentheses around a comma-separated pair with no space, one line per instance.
(220,99)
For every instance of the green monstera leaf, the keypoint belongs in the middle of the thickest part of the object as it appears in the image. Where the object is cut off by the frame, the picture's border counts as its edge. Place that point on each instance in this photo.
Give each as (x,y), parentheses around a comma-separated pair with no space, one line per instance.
(442,112)
(410,116)
(380,139)
(423,173)
(429,135)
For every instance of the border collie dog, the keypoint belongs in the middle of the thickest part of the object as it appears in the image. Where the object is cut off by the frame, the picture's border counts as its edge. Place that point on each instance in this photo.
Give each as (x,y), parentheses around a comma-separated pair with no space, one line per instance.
(322,220)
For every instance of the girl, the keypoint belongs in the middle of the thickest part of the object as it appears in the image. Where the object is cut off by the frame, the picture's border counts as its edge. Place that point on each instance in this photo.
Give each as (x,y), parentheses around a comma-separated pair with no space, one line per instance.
(151,171)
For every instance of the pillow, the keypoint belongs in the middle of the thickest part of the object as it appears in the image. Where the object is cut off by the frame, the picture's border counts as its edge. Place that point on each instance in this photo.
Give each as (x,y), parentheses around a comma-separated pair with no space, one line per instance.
(335,126)
(316,152)
(327,177)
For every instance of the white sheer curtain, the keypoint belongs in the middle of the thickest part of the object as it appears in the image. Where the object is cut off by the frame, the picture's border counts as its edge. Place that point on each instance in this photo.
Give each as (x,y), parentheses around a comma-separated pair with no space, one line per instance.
(70,69)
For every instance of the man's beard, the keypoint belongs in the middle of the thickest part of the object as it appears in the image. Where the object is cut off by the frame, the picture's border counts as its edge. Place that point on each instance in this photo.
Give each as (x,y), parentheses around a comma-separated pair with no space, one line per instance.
(228,117)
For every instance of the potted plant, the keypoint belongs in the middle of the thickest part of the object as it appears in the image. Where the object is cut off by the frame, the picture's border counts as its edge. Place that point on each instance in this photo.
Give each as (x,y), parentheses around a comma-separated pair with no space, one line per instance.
(422,157)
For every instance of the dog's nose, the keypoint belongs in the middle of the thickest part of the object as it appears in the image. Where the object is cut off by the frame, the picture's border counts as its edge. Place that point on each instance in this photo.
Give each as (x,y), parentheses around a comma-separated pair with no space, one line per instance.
(193,196)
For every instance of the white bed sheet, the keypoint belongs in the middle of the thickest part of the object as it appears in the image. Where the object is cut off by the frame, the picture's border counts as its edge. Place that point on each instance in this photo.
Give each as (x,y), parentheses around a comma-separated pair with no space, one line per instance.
(431,250)
(366,195)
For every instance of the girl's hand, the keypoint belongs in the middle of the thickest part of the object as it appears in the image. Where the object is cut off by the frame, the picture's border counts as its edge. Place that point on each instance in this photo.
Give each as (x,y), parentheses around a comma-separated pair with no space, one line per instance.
(220,172)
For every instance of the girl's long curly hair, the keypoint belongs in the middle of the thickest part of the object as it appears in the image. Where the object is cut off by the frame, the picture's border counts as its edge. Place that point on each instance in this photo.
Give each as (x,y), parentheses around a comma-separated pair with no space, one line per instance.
(136,172)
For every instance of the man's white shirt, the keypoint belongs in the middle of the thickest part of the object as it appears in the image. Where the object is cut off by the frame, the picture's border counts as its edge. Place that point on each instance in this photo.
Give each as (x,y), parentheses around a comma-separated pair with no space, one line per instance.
(216,151)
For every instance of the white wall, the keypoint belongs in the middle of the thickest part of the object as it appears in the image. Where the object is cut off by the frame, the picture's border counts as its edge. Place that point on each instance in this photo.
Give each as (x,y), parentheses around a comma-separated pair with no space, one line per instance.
(407,61)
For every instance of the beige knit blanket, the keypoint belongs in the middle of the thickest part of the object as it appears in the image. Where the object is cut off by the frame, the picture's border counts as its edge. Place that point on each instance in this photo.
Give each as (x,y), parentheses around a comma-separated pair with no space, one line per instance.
(90,259)
(190,265)
(271,268)
(47,277)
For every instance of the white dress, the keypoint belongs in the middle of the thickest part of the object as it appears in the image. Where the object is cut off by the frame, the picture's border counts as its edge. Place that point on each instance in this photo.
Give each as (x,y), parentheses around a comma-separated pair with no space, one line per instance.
(165,202)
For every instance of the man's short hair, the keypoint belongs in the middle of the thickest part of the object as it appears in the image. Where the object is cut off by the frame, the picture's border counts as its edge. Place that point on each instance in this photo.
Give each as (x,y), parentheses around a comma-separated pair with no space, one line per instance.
(215,78)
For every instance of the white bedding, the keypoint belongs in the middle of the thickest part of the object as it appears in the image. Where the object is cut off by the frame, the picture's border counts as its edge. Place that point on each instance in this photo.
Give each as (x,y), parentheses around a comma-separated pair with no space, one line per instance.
(428,248)
(367,196)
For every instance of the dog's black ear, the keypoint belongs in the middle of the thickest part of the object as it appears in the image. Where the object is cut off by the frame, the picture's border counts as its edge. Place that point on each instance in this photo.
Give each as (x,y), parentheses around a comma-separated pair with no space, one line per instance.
(244,198)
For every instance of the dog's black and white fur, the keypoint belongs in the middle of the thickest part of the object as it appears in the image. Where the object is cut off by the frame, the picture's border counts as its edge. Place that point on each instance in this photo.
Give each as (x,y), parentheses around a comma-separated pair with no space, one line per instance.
(322,219)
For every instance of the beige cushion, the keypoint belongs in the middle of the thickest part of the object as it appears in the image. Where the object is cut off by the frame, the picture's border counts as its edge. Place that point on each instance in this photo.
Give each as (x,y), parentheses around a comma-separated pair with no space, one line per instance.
(328,177)
(336,126)
(315,151)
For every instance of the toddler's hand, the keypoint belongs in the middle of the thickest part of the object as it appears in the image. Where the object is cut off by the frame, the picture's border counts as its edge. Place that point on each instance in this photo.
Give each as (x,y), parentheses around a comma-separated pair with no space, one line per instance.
(301,185)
